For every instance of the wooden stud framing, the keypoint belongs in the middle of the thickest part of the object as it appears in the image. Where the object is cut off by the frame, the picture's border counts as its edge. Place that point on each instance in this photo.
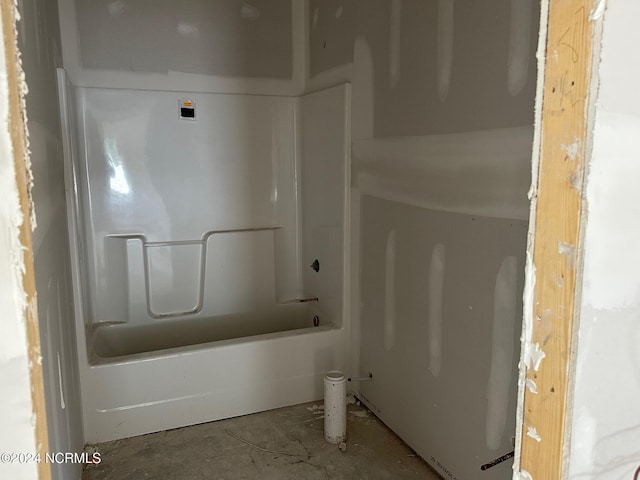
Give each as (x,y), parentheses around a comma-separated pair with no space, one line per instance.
(20,155)
(565,107)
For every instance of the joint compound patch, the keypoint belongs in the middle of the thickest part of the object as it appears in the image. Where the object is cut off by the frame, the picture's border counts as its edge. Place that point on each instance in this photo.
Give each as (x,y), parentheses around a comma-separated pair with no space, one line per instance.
(534,356)
(390,292)
(533,433)
(569,251)
(435,297)
(445,46)
(572,150)
(523,475)
(249,12)
(531,385)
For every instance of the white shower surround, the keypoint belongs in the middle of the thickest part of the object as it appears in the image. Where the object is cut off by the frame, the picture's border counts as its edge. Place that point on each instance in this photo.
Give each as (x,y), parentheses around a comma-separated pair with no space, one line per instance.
(253,370)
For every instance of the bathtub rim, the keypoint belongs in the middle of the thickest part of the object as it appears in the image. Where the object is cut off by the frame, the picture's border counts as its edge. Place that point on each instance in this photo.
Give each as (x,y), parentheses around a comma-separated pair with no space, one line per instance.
(96,361)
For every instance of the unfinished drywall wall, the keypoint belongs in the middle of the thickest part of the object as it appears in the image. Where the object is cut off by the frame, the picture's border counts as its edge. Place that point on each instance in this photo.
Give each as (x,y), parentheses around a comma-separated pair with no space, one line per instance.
(441,302)
(246,46)
(39,41)
(437,67)
(605,440)
(228,38)
(442,123)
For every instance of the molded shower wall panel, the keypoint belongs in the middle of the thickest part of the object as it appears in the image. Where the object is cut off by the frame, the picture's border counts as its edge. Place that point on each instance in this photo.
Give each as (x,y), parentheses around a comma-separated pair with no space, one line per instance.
(440,321)
(226,46)
(192,211)
(158,390)
(325,180)
(39,43)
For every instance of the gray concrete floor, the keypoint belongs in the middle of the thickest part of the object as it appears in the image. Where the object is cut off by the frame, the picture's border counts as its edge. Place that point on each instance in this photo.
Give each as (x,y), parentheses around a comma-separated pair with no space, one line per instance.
(287,443)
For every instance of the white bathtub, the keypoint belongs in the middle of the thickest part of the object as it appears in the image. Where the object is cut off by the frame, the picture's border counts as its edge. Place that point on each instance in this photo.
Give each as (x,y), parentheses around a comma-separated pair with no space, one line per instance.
(112,341)
(132,387)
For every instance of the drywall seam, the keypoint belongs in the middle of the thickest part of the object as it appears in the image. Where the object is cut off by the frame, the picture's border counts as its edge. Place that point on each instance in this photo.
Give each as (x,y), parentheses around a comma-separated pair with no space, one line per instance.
(435,299)
(69,40)
(519,40)
(363,99)
(476,173)
(499,383)
(307,44)
(530,270)
(347,227)
(390,292)
(300,52)
(445,46)
(355,299)
(395,31)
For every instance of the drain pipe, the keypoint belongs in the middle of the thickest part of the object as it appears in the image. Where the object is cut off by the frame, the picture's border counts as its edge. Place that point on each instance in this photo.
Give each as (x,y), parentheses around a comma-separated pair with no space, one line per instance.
(335,407)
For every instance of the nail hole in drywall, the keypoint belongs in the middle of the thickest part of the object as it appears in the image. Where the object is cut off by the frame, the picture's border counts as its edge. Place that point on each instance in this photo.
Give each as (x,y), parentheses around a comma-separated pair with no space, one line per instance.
(324,44)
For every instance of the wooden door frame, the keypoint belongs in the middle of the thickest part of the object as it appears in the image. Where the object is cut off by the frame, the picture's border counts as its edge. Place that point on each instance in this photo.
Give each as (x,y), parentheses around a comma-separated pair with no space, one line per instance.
(555,233)
(563,115)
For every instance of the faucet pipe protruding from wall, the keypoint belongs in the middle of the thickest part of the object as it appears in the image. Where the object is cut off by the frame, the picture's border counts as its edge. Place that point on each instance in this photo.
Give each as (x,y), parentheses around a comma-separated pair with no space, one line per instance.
(309,299)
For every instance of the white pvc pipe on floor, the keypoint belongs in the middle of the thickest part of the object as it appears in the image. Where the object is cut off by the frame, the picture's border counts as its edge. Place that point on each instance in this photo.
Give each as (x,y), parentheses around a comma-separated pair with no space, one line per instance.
(335,407)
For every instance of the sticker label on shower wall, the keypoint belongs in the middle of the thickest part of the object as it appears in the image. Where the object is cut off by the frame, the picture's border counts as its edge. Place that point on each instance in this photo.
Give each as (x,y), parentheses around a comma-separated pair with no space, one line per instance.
(187,109)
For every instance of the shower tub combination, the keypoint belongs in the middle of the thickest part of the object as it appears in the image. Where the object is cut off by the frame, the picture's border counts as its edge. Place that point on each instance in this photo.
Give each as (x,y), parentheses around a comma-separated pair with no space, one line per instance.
(192,240)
